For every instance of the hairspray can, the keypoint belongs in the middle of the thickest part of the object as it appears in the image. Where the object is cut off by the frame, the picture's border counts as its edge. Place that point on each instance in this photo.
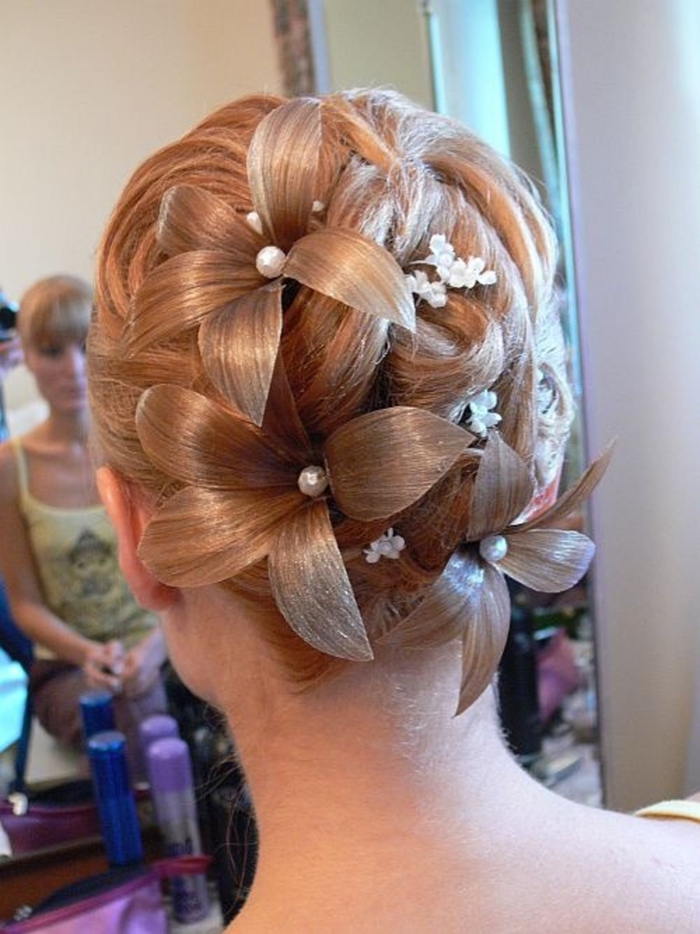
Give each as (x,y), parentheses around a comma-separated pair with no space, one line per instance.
(170,770)
(97,712)
(115,800)
(157,726)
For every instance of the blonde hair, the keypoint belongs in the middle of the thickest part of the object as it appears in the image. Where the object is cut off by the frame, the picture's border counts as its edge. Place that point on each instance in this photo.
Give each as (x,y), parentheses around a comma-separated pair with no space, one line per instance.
(55,310)
(176,253)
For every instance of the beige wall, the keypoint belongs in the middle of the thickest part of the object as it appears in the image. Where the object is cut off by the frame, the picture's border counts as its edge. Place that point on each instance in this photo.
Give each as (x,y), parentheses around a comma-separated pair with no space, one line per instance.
(88,88)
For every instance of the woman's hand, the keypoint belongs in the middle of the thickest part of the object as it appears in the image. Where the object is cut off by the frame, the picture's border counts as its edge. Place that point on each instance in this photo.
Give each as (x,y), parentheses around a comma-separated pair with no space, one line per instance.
(103,665)
(141,668)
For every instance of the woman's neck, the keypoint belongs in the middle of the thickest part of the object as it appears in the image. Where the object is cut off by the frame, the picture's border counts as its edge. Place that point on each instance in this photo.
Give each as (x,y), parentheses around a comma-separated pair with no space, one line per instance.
(353,784)
(68,428)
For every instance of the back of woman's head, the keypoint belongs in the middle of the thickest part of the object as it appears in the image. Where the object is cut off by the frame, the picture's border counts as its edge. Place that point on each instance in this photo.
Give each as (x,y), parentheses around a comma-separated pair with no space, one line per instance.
(326,348)
(55,310)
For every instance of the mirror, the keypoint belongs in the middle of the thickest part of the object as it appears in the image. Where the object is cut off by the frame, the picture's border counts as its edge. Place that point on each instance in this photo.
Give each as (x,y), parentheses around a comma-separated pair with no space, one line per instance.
(493,64)
(547,680)
(75,126)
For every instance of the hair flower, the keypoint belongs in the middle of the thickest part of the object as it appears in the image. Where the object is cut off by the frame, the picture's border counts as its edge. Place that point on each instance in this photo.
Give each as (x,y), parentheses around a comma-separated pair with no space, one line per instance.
(471,595)
(387,545)
(452,273)
(246,310)
(481,417)
(267,491)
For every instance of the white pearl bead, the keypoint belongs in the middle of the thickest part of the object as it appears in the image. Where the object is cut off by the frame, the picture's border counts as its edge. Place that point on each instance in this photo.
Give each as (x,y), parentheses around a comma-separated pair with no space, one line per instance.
(270,261)
(312,481)
(253,219)
(493,548)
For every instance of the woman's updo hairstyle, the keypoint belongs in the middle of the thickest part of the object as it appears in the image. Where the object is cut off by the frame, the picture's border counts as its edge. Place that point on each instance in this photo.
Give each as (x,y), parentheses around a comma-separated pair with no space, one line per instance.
(326,347)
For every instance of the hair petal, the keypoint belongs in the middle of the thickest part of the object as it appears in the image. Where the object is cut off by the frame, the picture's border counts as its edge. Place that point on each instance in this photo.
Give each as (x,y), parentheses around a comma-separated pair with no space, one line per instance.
(206,446)
(232,530)
(311,586)
(282,168)
(548,560)
(239,346)
(354,270)
(281,422)
(444,611)
(196,219)
(382,462)
(485,635)
(191,286)
(502,489)
(574,497)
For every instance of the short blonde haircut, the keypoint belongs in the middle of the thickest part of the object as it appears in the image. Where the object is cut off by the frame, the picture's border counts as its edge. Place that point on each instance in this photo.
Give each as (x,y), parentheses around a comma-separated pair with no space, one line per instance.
(397,175)
(55,310)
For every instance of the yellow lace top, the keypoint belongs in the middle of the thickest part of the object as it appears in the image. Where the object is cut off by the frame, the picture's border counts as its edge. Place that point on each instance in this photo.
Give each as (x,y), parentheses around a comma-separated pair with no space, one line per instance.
(76,558)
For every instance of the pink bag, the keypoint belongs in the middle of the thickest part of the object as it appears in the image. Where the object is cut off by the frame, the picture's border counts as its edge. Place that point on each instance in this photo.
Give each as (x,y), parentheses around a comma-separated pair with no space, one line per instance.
(125,901)
(65,813)
(60,814)
(557,673)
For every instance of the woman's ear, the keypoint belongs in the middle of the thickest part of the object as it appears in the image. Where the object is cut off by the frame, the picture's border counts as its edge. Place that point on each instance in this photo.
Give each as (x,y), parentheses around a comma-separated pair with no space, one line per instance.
(129,518)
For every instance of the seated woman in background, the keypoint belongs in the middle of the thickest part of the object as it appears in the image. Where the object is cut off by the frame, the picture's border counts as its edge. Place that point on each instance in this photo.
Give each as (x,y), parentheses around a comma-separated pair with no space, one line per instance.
(328,391)
(57,547)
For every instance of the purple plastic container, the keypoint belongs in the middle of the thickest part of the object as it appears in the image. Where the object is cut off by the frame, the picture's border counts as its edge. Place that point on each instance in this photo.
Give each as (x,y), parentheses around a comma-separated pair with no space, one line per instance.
(172,791)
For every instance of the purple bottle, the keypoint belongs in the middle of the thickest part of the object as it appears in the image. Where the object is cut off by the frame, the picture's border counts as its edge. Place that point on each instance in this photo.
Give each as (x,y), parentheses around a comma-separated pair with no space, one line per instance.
(157,726)
(172,791)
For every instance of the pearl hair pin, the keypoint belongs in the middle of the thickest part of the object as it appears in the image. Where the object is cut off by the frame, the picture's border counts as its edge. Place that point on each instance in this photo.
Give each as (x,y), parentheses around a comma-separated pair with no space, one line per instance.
(313,481)
(253,221)
(270,261)
(493,548)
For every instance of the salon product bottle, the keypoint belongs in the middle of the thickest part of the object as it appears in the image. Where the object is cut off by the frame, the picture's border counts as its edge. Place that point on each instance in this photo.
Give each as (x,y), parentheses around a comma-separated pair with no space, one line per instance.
(115,799)
(172,791)
(157,726)
(97,712)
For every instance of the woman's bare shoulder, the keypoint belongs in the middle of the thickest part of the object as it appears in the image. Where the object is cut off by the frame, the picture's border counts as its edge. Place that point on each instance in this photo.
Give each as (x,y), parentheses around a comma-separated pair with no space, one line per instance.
(605,871)
(646,870)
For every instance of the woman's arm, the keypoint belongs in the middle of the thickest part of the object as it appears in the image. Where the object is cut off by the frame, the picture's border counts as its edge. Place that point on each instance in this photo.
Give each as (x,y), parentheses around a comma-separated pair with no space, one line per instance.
(35,619)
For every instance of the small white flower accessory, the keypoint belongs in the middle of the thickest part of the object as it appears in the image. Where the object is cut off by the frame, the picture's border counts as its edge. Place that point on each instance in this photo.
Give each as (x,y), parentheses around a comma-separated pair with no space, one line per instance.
(387,545)
(467,275)
(481,417)
(442,256)
(435,293)
(453,273)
